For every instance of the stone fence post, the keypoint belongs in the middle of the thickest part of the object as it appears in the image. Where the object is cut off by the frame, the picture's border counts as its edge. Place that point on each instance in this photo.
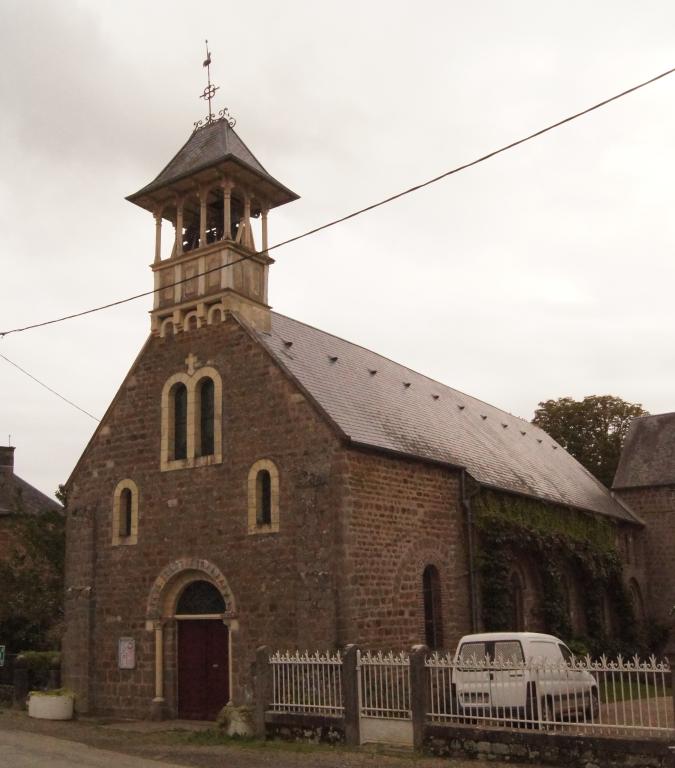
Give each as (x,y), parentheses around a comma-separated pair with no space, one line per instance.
(350,694)
(419,693)
(263,688)
(670,655)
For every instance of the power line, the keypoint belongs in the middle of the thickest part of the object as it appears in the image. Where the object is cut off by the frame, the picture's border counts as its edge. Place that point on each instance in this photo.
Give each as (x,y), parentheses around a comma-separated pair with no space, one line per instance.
(53,391)
(360,211)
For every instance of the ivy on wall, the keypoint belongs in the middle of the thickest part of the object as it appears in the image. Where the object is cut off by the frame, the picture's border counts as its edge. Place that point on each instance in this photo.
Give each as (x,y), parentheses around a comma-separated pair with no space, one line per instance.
(557,540)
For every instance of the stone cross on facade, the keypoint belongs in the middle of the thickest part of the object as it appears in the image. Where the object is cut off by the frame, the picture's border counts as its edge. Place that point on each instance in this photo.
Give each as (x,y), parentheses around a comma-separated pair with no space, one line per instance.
(191,361)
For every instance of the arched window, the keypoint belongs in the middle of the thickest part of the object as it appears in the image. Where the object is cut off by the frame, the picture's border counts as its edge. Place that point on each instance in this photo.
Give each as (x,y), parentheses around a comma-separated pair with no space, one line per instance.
(517,605)
(180,399)
(636,599)
(206,415)
(125,513)
(192,411)
(200,598)
(431,588)
(263,497)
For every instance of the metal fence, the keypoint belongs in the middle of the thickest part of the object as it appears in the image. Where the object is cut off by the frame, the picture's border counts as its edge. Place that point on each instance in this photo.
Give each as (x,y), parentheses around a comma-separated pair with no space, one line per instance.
(581,695)
(307,683)
(384,685)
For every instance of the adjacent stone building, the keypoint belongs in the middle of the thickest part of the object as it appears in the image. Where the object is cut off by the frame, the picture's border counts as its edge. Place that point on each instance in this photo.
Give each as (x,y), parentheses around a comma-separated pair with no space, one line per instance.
(645,479)
(258,481)
(17,497)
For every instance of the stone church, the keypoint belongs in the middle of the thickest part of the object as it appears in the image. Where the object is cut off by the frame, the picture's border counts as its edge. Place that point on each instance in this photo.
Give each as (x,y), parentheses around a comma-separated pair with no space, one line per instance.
(259,481)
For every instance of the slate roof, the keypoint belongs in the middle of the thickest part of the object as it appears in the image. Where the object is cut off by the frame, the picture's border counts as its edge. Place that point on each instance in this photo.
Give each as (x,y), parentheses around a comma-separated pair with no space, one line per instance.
(648,456)
(208,146)
(379,403)
(18,496)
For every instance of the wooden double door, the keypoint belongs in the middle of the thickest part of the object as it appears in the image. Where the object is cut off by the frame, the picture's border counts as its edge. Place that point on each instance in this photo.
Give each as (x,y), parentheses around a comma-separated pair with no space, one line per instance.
(203,668)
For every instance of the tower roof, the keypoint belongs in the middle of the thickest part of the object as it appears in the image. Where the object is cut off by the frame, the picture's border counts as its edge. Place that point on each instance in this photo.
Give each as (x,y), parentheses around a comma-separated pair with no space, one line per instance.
(215,147)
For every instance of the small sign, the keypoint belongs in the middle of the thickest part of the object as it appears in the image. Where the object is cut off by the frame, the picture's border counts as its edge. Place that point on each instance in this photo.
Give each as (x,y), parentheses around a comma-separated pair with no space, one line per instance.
(126,653)
(2,655)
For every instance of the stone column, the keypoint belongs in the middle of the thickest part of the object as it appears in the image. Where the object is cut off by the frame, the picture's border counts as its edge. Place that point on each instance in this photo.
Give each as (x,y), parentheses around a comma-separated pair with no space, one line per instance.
(670,655)
(263,215)
(157,710)
(350,694)
(203,195)
(227,209)
(247,240)
(179,226)
(418,693)
(158,237)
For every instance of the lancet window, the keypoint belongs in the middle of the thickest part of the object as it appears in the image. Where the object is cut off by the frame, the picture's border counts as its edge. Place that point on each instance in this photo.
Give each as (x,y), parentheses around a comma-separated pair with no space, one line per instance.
(263,497)
(433,625)
(125,513)
(192,418)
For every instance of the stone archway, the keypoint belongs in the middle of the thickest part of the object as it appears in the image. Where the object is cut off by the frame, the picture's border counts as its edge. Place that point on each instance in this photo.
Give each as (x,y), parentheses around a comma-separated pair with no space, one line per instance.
(161,616)
(175,576)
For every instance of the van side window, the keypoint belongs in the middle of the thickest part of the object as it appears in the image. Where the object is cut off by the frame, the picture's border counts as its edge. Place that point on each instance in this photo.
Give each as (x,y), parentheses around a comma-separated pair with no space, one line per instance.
(509,651)
(567,654)
(545,651)
(473,651)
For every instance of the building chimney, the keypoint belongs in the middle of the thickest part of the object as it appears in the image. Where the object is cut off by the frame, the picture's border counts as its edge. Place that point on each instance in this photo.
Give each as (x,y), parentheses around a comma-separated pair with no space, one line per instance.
(7,459)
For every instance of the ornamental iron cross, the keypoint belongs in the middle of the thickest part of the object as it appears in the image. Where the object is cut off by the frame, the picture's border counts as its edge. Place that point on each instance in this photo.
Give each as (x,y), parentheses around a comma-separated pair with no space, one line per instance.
(210,90)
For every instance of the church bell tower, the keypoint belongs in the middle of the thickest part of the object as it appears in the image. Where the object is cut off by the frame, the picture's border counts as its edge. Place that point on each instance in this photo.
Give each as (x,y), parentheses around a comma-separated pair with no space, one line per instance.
(211,192)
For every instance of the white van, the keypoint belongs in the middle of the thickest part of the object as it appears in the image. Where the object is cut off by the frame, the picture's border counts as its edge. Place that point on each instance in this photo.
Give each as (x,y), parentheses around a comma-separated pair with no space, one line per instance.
(521,676)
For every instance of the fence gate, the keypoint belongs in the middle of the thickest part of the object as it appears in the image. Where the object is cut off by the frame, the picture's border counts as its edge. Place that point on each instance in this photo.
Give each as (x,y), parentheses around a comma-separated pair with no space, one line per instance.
(384,698)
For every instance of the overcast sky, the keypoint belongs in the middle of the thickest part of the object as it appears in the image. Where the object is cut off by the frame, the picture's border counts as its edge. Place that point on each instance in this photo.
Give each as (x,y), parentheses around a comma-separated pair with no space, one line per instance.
(545,272)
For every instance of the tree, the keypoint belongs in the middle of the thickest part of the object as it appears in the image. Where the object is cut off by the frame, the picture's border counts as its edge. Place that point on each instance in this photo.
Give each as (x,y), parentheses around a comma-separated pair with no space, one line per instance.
(592,430)
(31,595)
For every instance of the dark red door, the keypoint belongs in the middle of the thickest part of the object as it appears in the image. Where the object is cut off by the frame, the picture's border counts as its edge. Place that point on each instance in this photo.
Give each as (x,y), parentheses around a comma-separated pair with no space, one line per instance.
(203,669)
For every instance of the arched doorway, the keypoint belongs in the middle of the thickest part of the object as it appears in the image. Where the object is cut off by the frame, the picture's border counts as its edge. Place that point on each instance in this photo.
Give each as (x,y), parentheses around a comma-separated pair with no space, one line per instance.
(203,652)
(191,611)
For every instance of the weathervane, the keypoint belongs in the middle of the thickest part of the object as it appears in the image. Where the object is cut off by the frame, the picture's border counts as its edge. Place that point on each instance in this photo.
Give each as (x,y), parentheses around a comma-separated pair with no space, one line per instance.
(208,93)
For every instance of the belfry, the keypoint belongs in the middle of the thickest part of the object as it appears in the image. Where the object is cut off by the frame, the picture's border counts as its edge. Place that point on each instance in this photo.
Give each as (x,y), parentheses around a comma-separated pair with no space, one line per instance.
(213,192)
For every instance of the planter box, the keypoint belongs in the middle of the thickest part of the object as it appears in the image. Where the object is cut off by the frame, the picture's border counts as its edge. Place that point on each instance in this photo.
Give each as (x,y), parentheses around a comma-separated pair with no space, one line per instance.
(50,707)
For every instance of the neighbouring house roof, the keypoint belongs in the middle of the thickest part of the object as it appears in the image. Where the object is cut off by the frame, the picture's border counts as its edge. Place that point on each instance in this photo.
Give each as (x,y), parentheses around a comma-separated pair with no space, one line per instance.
(209,146)
(19,497)
(378,403)
(648,455)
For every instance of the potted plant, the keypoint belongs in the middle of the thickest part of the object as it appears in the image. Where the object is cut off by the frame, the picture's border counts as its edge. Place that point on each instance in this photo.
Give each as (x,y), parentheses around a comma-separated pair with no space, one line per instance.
(51,705)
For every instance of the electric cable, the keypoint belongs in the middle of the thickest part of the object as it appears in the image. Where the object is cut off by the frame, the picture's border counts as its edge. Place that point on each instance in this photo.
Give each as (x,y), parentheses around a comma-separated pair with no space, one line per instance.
(53,391)
(360,211)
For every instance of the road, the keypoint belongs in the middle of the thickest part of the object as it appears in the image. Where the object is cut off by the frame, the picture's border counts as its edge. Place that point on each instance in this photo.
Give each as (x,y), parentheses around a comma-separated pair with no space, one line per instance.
(27,750)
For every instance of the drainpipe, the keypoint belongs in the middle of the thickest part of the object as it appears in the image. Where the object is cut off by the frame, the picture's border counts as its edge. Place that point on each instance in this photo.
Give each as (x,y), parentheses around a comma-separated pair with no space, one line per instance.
(466,504)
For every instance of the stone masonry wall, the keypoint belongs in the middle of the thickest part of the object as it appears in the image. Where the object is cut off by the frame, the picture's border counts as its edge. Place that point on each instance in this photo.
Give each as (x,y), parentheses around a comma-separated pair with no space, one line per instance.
(283,584)
(400,515)
(655,545)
